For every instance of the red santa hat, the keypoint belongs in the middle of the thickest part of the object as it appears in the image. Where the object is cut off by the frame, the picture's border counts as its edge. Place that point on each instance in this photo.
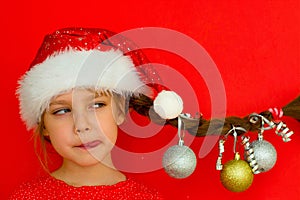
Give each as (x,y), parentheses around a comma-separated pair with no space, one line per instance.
(80,57)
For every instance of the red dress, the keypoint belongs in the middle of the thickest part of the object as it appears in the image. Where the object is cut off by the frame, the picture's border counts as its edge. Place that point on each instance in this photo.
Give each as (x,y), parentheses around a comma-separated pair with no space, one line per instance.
(50,188)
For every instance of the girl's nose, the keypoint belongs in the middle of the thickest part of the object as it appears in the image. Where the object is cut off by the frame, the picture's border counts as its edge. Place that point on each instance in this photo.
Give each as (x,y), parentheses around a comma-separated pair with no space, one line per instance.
(81,130)
(81,123)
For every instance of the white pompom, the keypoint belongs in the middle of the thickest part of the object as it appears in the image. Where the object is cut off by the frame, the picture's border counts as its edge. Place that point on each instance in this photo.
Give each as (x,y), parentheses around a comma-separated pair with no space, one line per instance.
(168,104)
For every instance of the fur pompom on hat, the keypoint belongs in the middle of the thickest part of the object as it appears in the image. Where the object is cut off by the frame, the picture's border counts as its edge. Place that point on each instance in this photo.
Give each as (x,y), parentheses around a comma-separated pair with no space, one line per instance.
(89,58)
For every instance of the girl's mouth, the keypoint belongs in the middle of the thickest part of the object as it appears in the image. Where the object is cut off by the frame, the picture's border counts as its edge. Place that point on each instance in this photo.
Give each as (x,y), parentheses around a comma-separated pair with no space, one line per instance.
(90,145)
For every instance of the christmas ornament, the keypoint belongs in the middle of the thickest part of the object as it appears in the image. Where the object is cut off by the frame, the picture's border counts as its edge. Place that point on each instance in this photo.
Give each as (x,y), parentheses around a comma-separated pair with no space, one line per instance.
(236,175)
(179,161)
(219,165)
(263,151)
(265,155)
(168,104)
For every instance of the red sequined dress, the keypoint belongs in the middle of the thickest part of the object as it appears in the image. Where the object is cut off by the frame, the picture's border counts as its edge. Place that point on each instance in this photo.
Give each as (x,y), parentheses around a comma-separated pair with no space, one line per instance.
(50,188)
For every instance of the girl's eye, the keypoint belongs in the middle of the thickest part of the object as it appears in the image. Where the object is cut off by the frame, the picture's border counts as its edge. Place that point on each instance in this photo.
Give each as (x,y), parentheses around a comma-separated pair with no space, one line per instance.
(61,111)
(98,105)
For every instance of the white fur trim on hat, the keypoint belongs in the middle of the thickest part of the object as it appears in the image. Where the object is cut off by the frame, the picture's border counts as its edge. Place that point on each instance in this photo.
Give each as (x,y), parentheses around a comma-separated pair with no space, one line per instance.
(69,69)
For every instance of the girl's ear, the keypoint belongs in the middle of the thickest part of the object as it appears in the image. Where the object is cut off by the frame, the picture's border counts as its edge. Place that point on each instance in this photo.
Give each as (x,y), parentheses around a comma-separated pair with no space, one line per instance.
(121,112)
(45,132)
(120,118)
(119,109)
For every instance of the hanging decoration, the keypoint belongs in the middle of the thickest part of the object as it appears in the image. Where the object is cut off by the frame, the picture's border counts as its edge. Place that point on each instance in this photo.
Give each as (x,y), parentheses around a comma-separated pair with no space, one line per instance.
(264,152)
(179,161)
(260,155)
(249,154)
(236,175)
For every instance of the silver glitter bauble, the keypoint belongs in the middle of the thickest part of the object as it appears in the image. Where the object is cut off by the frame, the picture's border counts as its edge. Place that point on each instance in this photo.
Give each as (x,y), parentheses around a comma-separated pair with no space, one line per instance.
(179,161)
(265,155)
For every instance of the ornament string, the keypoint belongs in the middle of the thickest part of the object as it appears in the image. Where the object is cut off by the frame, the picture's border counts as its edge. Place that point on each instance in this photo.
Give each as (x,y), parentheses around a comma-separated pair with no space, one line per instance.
(281,128)
(283,131)
(233,131)
(276,113)
(180,131)
(219,165)
(249,153)
(235,141)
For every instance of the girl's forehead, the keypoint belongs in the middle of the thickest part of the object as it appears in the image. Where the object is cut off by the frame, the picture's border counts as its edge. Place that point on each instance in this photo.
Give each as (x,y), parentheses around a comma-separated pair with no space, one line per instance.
(81,94)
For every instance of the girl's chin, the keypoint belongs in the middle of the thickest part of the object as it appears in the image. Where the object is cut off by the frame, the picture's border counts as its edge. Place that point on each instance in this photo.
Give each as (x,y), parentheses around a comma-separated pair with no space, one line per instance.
(93,158)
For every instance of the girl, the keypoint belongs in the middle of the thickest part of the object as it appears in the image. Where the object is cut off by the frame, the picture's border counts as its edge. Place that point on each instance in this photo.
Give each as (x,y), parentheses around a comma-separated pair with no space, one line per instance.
(74,96)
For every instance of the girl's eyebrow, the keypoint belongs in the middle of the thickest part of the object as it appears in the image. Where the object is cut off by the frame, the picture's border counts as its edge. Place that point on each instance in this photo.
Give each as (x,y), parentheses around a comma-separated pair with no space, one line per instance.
(92,96)
(58,102)
(100,94)
(96,95)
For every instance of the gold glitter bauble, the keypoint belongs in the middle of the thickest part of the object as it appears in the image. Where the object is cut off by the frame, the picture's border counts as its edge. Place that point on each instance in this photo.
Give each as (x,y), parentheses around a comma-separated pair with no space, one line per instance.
(236,175)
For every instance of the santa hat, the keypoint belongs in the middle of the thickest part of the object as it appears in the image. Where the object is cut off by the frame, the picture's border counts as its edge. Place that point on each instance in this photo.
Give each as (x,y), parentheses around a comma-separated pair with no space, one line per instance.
(80,57)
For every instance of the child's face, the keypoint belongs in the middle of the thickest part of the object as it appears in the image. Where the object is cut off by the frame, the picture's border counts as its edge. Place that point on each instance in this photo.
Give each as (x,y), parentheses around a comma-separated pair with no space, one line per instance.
(82,126)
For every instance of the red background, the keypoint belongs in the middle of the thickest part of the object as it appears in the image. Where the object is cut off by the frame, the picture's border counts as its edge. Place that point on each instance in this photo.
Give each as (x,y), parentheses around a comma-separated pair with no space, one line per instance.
(256,46)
